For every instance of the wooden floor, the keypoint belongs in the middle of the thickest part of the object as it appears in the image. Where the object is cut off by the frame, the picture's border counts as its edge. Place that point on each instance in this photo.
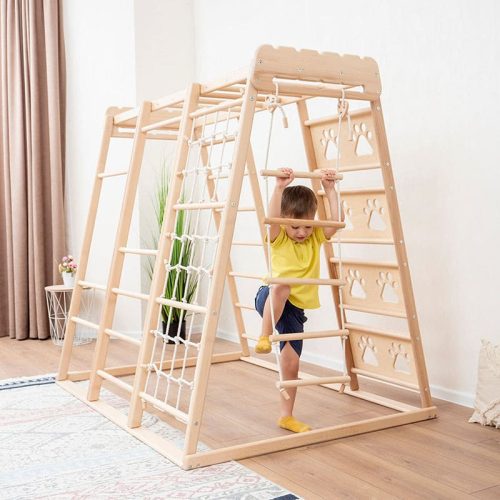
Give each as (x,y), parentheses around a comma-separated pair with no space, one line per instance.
(442,458)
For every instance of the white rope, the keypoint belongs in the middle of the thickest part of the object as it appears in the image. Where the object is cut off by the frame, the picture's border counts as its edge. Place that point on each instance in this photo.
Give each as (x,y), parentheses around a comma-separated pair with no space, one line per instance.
(343,109)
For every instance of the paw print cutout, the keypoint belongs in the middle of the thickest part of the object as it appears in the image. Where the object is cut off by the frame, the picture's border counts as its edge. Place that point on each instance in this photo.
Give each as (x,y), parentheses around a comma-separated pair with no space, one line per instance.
(368,350)
(375,212)
(347,216)
(362,138)
(330,142)
(356,284)
(400,358)
(388,288)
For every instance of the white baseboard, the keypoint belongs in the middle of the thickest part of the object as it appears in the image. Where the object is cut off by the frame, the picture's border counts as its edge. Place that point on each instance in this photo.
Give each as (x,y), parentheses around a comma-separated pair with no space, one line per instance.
(457,397)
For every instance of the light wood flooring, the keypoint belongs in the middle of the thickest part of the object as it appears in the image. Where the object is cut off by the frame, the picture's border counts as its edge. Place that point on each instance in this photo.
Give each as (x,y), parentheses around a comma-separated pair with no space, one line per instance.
(441,458)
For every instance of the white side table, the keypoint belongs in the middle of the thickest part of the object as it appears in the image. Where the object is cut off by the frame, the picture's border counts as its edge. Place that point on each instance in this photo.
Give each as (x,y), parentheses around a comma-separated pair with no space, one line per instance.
(58,302)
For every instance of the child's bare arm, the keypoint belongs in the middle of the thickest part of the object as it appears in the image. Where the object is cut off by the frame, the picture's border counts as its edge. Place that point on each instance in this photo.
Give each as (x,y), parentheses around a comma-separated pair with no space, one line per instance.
(275,201)
(328,182)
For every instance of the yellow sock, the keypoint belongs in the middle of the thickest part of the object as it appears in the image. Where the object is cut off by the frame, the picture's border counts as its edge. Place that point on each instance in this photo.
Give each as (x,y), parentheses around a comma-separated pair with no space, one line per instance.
(291,424)
(263,346)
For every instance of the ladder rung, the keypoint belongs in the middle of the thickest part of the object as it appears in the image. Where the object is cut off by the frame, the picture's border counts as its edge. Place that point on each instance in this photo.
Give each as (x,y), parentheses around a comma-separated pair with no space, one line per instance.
(308,335)
(383,378)
(200,206)
(132,295)
(181,305)
(304,281)
(313,381)
(243,306)
(225,175)
(240,209)
(298,174)
(209,141)
(84,322)
(213,109)
(355,168)
(304,222)
(161,123)
(138,251)
(121,336)
(112,174)
(373,263)
(89,284)
(178,414)
(350,192)
(247,243)
(362,241)
(372,310)
(115,380)
(244,275)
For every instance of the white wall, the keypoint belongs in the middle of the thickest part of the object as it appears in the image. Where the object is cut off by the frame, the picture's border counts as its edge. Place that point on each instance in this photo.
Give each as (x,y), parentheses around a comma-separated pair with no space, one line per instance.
(440,86)
(438,63)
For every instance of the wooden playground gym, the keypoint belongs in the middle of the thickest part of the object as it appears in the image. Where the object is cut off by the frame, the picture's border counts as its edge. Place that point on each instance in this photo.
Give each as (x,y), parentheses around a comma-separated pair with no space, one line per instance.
(208,123)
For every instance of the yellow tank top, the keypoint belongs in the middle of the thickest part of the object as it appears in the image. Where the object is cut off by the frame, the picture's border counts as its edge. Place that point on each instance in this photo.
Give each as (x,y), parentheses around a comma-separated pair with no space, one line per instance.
(291,259)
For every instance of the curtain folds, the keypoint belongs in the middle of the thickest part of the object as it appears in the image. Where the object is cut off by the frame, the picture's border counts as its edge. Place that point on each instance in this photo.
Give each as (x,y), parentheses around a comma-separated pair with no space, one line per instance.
(32,107)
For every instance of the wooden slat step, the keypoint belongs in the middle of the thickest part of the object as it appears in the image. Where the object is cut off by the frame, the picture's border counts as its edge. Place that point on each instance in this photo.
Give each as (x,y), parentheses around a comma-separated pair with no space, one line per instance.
(383,378)
(138,251)
(181,305)
(375,331)
(132,295)
(121,336)
(297,174)
(372,310)
(304,281)
(200,206)
(112,174)
(110,378)
(304,222)
(372,263)
(308,335)
(89,284)
(313,381)
(84,322)
(171,410)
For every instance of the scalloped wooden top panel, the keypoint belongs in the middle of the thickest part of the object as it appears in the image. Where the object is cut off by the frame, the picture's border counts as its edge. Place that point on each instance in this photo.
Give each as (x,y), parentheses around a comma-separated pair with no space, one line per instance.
(311,65)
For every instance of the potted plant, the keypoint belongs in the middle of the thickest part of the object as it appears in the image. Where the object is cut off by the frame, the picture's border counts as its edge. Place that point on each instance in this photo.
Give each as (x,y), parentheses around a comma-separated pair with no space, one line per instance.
(67,267)
(178,280)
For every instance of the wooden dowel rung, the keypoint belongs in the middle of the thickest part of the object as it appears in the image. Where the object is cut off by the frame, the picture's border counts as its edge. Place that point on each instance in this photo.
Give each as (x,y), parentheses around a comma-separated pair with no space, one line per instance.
(221,176)
(84,322)
(356,168)
(246,275)
(121,336)
(89,284)
(298,174)
(362,241)
(199,206)
(308,335)
(244,306)
(181,305)
(110,378)
(125,116)
(240,209)
(178,414)
(112,174)
(383,378)
(247,243)
(313,381)
(161,123)
(375,331)
(219,107)
(132,295)
(138,251)
(371,310)
(304,281)
(371,263)
(368,191)
(304,222)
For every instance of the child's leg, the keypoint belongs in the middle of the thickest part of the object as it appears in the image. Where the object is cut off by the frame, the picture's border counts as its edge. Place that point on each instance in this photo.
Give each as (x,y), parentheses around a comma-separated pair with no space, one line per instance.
(290,370)
(280,294)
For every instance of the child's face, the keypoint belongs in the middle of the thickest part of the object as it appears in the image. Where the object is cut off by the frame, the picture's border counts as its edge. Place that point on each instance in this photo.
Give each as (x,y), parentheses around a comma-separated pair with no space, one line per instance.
(300,233)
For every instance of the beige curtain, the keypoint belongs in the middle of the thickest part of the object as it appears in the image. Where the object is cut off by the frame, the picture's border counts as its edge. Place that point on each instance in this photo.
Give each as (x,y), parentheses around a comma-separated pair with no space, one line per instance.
(32,236)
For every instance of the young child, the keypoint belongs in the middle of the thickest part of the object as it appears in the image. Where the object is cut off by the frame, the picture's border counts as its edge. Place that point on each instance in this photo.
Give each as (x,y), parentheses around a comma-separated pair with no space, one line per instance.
(294,253)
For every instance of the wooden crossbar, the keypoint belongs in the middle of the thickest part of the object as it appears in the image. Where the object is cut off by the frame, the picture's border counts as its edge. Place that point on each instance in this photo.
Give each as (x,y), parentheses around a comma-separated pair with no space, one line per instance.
(298,174)
(139,251)
(112,174)
(121,336)
(304,281)
(312,381)
(304,222)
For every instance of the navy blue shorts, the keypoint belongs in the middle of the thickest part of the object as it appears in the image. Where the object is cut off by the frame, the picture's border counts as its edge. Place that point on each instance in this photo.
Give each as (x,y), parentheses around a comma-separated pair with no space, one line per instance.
(292,320)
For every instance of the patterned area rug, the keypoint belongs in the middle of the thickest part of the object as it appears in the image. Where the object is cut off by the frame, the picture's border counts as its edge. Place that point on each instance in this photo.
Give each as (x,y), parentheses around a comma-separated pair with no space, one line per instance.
(54,446)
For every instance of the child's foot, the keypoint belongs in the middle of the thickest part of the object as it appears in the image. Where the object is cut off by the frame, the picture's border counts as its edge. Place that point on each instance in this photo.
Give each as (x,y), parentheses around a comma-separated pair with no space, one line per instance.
(291,424)
(263,346)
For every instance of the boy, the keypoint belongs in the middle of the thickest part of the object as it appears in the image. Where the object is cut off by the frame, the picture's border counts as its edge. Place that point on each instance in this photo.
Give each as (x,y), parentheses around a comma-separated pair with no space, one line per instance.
(294,253)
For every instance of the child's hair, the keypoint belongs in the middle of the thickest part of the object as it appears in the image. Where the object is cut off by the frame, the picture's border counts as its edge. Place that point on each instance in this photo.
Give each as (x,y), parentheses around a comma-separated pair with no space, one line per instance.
(298,202)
